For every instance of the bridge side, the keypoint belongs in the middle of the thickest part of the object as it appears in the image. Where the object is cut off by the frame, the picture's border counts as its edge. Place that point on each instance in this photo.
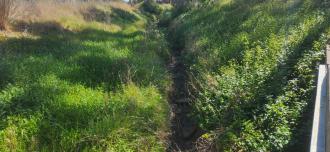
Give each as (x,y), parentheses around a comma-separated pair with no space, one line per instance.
(320,140)
(327,132)
(318,132)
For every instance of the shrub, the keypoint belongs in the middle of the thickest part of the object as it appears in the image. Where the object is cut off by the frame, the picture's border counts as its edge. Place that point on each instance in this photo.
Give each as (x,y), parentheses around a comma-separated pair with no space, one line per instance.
(151,7)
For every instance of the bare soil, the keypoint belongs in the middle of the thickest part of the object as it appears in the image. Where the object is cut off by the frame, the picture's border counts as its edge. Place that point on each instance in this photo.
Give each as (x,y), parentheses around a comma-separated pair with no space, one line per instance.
(185,130)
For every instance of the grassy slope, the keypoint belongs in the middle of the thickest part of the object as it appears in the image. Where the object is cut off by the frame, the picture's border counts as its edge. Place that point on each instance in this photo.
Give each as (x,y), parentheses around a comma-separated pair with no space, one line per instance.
(90,80)
(254,63)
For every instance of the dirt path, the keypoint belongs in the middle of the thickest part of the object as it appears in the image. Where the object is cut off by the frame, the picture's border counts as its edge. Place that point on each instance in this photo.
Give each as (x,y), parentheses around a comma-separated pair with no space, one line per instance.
(184,129)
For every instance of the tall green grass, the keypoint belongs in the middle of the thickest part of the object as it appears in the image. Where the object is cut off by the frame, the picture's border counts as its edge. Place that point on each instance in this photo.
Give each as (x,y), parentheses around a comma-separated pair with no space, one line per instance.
(81,85)
(253,64)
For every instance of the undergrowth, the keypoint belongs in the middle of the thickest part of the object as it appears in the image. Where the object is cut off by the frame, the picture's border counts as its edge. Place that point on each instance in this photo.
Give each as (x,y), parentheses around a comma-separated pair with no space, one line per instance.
(92,77)
(92,80)
(252,66)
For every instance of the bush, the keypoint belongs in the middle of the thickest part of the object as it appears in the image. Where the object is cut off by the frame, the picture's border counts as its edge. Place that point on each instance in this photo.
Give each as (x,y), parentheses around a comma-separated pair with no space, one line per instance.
(151,7)
(5,6)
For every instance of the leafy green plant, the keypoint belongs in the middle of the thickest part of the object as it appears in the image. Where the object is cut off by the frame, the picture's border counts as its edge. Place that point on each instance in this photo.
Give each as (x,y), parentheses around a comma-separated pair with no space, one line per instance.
(246,62)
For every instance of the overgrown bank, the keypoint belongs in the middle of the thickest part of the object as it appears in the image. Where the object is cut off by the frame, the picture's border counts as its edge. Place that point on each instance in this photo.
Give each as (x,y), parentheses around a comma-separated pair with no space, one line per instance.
(252,68)
(83,77)
(93,77)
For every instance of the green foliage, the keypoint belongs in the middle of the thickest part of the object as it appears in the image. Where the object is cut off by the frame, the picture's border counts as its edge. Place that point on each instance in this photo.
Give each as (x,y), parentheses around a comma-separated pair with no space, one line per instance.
(253,63)
(94,88)
(110,16)
(150,6)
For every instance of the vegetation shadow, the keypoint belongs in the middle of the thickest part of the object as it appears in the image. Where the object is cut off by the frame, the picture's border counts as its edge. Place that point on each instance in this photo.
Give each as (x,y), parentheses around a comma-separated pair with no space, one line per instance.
(115,16)
(92,65)
(86,59)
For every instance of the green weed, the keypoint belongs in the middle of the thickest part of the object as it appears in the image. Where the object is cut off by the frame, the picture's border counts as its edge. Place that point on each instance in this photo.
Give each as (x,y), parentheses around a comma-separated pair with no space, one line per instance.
(76,85)
(246,58)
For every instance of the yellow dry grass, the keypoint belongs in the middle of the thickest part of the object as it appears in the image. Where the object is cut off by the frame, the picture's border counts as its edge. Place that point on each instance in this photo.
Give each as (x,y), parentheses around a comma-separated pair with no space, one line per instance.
(50,10)
(69,15)
(5,6)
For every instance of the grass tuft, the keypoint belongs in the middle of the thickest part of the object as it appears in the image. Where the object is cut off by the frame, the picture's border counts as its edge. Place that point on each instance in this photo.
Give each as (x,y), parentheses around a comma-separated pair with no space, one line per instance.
(71,83)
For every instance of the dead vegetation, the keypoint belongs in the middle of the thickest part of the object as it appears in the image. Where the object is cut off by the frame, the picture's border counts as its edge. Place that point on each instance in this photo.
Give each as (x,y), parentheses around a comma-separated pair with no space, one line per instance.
(15,12)
(5,6)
